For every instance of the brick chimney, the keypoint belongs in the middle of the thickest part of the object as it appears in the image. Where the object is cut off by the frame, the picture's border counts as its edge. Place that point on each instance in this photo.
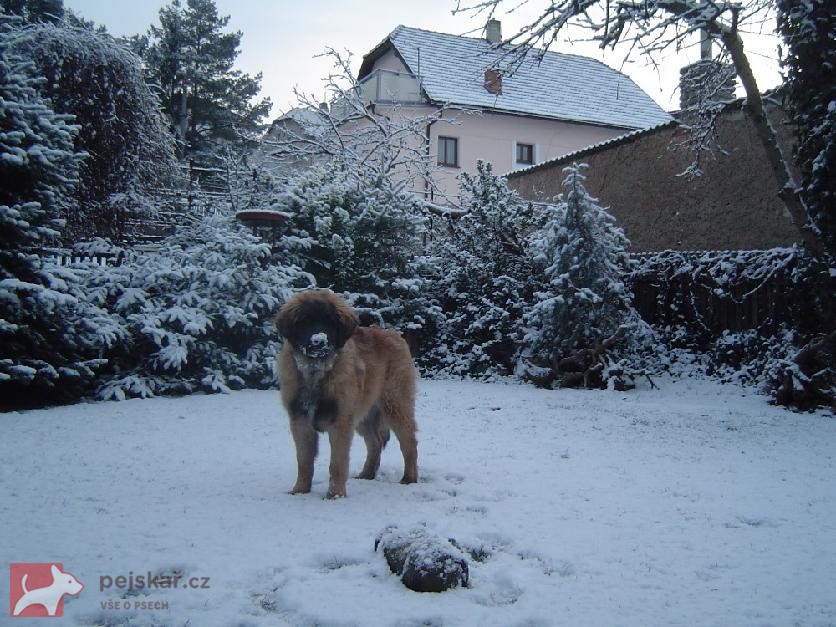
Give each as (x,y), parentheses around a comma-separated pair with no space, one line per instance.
(707,81)
(493,32)
(493,82)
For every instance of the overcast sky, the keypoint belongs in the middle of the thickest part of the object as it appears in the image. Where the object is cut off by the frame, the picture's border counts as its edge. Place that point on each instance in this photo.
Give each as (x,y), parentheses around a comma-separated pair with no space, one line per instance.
(282,37)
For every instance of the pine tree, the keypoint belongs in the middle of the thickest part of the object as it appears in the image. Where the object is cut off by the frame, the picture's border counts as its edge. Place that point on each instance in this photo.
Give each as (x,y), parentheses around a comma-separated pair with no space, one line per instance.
(808,28)
(129,151)
(49,338)
(192,60)
(583,258)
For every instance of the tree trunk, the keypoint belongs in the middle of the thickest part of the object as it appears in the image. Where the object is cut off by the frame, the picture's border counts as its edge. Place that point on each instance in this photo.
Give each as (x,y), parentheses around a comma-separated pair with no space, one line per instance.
(789,192)
(183,122)
(779,164)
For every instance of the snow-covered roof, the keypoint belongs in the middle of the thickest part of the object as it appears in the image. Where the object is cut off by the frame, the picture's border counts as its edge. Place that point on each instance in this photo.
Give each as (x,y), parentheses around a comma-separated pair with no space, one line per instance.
(562,86)
(307,117)
(612,142)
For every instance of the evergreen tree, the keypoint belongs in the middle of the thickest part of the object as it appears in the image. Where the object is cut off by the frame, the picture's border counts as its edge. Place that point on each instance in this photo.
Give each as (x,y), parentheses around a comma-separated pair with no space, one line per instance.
(809,31)
(481,280)
(191,58)
(198,316)
(364,232)
(129,151)
(583,258)
(34,10)
(48,337)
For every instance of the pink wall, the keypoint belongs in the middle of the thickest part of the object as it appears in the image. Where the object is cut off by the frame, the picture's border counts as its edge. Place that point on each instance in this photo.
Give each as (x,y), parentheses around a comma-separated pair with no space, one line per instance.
(493,137)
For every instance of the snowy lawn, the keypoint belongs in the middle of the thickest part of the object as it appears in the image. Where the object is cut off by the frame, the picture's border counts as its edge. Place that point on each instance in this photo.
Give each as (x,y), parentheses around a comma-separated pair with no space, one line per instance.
(696,504)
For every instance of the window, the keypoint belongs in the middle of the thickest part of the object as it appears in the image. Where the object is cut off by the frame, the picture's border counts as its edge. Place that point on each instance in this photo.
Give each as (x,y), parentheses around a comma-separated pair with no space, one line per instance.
(525,154)
(448,151)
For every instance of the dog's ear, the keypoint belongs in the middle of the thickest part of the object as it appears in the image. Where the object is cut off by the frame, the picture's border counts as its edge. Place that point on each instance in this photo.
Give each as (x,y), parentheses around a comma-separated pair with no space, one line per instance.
(286,319)
(346,324)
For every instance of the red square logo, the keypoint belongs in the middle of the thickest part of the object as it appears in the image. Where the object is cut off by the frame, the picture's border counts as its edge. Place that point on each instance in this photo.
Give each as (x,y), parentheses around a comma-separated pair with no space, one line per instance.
(39,589)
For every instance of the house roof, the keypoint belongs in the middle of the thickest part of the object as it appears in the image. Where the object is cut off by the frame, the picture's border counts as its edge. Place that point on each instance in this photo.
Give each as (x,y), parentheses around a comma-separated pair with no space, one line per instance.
(562,86)
(588,150)
(307,117)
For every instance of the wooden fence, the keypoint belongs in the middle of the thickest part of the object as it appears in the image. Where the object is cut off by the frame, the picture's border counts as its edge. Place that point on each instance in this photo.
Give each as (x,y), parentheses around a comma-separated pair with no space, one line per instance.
(683,300)
(101,260)
(708,293)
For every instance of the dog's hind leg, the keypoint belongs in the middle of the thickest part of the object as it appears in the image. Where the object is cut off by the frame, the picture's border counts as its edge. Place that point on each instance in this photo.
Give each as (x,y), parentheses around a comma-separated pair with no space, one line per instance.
(376,434)
(400,415)
(306,440)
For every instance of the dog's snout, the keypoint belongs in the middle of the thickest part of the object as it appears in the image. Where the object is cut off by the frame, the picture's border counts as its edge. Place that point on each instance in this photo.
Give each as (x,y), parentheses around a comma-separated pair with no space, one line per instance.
(318,339)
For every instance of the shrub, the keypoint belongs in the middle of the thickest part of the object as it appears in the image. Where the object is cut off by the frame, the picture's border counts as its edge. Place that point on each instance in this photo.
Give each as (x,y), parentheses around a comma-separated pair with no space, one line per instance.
(198,314)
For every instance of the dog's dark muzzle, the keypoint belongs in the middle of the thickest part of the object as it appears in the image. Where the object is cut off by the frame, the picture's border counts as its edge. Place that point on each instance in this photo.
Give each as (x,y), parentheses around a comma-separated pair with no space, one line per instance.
(317,347)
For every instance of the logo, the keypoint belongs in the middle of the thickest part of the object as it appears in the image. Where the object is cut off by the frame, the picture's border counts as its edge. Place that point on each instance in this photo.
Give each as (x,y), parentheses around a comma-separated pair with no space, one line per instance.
(39,589)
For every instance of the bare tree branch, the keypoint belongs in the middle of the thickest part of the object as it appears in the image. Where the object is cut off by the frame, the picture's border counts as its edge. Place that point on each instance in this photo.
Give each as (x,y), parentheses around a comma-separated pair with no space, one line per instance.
(356,134)
(652,27)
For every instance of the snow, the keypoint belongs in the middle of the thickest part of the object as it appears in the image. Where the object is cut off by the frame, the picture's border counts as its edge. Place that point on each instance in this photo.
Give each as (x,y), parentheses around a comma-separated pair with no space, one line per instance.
(693,504)
(561,86)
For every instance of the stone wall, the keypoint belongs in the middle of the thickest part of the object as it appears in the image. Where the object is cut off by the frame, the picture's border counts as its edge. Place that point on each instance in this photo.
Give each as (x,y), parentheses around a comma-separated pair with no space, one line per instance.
(734,205)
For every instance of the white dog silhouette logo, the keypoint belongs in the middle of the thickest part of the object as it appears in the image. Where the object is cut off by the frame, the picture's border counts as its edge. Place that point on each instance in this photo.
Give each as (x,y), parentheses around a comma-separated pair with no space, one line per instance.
(47,598)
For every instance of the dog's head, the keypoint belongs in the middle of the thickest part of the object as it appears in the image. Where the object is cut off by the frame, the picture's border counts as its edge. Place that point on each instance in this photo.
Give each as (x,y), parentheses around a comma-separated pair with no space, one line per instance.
(317,323)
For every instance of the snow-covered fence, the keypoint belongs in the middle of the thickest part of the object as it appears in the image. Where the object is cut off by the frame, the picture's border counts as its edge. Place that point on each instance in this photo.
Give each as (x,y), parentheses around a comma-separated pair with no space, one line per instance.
(96,259)
(708,293)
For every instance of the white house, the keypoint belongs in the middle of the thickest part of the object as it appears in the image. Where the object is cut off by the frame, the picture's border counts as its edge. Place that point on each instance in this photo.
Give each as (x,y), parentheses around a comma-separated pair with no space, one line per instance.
(540,111)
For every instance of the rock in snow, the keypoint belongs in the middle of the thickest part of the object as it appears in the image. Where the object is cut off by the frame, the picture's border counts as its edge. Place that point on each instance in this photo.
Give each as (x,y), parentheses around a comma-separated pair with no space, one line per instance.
(425,562)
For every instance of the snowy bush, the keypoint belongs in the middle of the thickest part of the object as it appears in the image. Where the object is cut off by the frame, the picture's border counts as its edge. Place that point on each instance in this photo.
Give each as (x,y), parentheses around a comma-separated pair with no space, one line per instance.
(760,317)
(129,152)
(198,314)
(698,295)
(49,337)
(364,233)
(584,261)
(481,279)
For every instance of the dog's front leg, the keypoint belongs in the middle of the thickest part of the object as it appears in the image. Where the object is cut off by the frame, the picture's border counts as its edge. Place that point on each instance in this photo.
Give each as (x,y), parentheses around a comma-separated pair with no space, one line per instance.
(340,437)
(305,439)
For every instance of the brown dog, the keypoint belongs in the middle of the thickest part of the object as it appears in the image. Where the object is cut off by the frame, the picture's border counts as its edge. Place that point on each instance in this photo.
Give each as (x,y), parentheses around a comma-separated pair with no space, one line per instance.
(336,377)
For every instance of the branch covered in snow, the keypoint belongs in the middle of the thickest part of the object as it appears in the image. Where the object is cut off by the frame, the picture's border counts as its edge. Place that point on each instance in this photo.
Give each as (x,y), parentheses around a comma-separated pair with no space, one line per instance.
(352,133)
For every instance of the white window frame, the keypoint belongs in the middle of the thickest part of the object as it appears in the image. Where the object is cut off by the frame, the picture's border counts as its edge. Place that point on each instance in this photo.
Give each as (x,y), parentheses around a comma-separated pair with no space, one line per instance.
(535,156)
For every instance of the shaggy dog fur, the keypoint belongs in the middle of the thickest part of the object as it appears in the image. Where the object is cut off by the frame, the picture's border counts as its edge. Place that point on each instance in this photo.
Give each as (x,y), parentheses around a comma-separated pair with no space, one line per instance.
(337,377)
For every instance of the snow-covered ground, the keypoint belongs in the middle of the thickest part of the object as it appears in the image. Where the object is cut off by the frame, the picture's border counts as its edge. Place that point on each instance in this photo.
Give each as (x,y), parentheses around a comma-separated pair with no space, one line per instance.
(696,504)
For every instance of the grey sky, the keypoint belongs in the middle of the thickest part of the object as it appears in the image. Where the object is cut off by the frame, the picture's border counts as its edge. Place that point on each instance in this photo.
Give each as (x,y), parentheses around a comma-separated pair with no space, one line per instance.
(282,37)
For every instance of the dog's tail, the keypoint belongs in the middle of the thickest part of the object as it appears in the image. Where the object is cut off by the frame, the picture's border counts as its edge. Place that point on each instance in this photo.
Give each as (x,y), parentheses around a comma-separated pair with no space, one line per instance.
(23,583)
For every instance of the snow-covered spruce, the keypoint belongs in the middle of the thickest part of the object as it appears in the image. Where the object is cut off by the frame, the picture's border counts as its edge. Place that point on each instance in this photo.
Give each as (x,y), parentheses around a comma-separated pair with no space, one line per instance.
(198,314)
(584,261)
(49,337)
(211,106)
(364,232)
